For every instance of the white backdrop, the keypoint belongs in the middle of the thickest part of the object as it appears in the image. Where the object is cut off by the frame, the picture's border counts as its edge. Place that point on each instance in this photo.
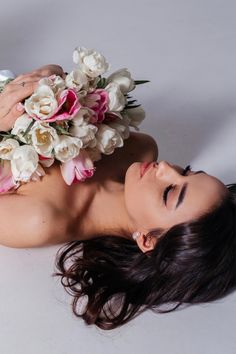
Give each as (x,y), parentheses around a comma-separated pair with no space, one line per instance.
(187,49)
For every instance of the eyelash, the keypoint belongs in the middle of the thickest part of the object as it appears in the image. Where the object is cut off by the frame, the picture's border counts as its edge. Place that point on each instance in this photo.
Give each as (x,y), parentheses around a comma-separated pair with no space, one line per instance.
(172,186)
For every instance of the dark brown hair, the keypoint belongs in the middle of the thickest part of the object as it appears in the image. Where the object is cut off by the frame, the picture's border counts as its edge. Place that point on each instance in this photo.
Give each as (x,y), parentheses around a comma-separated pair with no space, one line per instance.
(192,262)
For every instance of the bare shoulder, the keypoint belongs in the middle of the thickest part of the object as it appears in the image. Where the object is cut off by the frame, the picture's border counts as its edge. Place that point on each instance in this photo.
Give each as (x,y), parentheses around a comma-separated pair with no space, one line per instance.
(140,147)
(28,222)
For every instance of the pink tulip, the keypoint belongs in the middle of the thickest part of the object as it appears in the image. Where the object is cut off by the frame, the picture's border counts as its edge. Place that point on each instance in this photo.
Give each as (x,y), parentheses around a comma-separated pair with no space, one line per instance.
(46,161)
(68,106)
(77,169)
(6,178)
(98,102)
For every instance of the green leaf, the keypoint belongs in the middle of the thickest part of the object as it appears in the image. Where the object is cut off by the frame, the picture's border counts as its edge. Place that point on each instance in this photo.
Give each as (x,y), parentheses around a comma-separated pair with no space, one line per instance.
(28,128)
(130,102)
(139,82)
(7,135)
(62,130)
(101,83)
(129,107)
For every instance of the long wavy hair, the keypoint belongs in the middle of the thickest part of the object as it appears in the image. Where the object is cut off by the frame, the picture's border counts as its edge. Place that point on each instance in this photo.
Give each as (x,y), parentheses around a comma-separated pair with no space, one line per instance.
(192,262)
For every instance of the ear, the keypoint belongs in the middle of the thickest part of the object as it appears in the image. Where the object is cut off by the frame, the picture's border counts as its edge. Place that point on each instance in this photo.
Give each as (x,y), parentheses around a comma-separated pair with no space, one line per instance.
(146,243)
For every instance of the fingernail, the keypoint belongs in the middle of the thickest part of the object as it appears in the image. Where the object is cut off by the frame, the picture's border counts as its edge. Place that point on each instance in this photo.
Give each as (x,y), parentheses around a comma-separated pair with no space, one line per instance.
(20,107)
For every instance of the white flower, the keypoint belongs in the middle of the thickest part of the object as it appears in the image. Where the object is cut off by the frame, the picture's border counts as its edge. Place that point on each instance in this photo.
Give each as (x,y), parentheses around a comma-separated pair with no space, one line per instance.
(108,139)
(93,83)
(47,162)
(83,116)
(122,78)
(41,104)
(44,138)
(77,80)
(91,62)
(24,163)
(7,148)
(117,100)
(122,126)
(85,132)
(135,116)
(67,148)
(20,126)
(55,82)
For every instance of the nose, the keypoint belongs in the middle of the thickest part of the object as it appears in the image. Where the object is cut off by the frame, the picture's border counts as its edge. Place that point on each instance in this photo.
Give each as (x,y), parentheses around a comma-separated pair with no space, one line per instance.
(163,165)
(164,168)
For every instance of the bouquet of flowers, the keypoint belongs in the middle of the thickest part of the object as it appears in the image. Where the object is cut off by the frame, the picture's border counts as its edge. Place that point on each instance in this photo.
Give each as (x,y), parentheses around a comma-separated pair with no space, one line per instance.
(73,120)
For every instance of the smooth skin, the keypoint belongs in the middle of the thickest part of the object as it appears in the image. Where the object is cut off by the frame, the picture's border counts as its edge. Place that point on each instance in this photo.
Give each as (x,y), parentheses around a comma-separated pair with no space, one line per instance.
(116,200)
(145,204)
(14,93)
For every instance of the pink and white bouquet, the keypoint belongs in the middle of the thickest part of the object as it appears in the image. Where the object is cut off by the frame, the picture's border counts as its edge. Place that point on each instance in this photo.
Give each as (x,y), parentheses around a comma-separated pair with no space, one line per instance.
(74,120)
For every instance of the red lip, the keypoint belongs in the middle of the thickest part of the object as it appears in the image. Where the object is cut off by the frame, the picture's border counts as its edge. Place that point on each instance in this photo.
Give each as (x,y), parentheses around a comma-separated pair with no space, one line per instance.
(144,167)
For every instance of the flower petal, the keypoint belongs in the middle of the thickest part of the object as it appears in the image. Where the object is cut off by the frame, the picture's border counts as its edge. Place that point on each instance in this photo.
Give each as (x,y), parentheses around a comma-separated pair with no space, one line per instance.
(68,171)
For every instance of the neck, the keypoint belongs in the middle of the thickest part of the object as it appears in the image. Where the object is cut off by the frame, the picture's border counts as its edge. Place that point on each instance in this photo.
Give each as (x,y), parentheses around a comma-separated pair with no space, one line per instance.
(107,213)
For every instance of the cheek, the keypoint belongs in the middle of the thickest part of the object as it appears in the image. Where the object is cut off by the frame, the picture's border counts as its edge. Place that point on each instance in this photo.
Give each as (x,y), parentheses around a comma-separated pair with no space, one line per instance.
(139,201)
(142,199)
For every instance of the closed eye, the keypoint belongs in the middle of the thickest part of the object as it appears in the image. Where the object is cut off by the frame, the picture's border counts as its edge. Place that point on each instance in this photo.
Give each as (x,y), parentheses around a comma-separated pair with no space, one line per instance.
(183,191)
(172,186)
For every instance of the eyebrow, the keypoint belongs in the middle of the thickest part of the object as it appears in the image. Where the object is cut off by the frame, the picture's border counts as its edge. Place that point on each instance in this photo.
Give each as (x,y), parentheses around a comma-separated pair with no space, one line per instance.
(183,191)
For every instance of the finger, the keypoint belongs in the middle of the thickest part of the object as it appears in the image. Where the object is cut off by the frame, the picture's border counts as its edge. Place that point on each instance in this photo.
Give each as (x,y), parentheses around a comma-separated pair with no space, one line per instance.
(26,78)
(8,121)
(51,69)
(12,97)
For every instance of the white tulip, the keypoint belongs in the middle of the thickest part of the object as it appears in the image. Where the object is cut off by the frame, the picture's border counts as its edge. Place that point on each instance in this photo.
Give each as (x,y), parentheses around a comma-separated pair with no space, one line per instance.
(44,138)
(83,116)
(24,163)
(41,104)
(67,148)
(7,148)
(85,132)
(90,62)
(55,82)
(77,80)
(122,126)
(108,139)
(122,78)
(20,126)
(135,116)
(117,100)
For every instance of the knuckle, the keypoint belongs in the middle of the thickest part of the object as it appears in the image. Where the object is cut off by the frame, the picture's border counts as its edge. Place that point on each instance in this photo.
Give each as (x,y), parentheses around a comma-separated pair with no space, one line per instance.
(52,69)
(30,86)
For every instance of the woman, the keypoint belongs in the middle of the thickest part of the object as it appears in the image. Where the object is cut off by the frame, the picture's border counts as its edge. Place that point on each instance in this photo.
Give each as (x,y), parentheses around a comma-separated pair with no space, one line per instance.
(135,241)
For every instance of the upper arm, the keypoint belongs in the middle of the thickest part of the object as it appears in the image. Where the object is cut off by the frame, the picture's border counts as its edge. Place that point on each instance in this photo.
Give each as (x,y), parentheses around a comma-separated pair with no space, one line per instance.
(24,222)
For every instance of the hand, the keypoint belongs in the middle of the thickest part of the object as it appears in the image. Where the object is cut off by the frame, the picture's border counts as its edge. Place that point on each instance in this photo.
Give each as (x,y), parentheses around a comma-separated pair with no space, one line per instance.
(15,92)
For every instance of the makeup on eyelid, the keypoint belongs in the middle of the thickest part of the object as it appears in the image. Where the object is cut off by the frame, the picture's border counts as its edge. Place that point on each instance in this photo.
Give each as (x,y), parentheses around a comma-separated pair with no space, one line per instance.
(172,186)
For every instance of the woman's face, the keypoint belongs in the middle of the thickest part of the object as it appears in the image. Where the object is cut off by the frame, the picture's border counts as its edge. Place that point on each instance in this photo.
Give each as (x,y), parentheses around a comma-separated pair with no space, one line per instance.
(192,194)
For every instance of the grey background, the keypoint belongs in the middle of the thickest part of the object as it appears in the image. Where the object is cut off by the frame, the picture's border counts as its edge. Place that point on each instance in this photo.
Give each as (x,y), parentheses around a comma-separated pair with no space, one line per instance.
(187,49)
